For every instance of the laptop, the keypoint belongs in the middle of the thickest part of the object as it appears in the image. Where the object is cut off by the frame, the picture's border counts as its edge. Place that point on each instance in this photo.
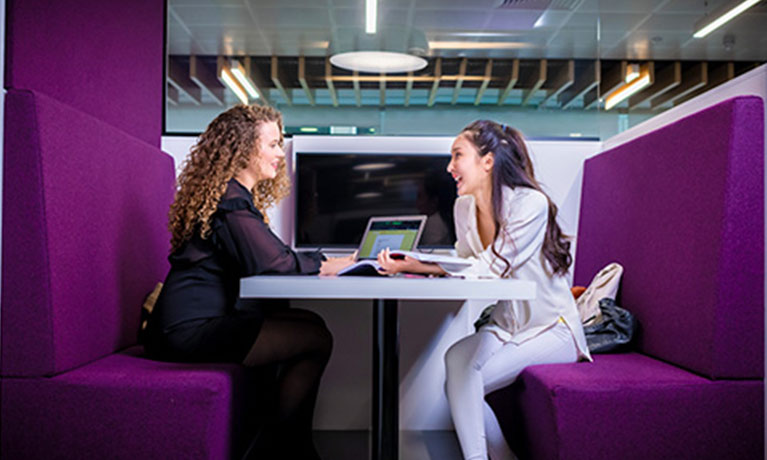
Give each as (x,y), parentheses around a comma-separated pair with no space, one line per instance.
(395,232)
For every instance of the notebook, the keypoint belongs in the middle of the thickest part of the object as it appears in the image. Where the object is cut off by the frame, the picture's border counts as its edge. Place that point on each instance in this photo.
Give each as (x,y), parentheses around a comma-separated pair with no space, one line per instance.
(395,233)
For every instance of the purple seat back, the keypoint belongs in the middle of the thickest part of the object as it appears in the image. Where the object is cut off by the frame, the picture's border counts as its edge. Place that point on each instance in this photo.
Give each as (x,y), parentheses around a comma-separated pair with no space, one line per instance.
(682,209)
(84,235)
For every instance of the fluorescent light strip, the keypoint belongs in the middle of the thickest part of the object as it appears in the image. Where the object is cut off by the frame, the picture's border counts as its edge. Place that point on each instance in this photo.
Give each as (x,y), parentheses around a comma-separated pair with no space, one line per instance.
(631,73)
(371,16)
(721,20)
(232,84)
(628,90)
(239,74)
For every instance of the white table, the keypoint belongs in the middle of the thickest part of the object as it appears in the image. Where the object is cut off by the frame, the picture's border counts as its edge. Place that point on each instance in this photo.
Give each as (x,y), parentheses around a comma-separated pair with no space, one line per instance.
(385,292)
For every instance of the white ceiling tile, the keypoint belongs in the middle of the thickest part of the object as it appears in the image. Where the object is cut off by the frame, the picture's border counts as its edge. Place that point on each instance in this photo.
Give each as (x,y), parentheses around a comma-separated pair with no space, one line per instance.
(292,17)
(440,19)
(670,22)
(692,6)
(619,6)
(213,15)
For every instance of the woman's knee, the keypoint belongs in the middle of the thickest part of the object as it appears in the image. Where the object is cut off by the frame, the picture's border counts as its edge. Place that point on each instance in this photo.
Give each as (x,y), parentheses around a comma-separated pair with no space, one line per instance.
(455,358)
(307,315)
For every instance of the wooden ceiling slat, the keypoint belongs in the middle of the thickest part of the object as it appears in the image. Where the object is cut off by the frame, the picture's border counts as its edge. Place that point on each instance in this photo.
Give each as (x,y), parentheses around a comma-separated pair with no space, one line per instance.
(665,80)
(564,79)
(586,82)
(206,80)
(694,78)
(535,81)
(513,79)
(459,81)
(278,78)
(303,82)
(435,85)
(329,82)
(178,77)
(488,77)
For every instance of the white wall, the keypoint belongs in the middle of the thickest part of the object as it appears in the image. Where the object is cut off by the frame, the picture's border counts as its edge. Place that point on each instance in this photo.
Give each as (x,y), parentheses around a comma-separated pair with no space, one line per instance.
(427,329)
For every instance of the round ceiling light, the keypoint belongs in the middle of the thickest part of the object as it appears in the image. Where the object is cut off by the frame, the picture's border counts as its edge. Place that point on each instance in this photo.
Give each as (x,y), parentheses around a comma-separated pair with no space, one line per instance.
(378,61)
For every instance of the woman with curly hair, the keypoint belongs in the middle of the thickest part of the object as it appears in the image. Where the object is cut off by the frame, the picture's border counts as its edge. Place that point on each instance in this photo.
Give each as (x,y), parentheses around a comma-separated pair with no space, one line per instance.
(219,234)
(506,225)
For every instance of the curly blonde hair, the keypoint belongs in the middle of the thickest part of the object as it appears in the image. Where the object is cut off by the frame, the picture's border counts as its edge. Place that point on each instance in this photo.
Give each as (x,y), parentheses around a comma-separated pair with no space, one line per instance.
(222,151)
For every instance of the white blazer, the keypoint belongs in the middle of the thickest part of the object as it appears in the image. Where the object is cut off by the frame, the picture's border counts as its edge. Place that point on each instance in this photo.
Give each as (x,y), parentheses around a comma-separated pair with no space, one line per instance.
(520,241)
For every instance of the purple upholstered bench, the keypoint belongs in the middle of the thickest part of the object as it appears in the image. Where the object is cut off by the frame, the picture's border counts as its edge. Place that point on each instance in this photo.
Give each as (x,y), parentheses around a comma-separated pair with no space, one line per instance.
(682,209)
(84,240)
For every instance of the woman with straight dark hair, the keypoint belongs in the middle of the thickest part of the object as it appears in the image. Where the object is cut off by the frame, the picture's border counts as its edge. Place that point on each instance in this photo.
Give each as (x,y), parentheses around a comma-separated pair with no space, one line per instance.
(219,234)
(507,226)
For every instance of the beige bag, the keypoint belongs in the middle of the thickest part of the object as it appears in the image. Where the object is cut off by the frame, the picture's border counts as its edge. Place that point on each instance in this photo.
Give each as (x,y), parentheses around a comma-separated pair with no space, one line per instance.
(604,284)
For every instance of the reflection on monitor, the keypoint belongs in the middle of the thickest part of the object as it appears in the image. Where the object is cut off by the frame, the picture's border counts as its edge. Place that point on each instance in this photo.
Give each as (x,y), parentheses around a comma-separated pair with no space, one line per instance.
(336,194)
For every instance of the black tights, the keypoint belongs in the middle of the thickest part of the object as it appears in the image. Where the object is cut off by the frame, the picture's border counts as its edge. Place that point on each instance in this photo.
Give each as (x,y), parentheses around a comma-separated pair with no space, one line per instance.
(300,343)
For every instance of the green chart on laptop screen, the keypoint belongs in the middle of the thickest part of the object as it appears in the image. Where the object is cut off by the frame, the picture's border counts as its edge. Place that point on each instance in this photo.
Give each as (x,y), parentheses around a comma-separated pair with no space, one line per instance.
(393,234)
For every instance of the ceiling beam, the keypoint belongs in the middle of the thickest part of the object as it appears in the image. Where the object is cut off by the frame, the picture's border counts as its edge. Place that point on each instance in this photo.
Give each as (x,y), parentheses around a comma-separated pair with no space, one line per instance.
(357,92)
(459,82)
(485,82)
(278,78)
(591,98)
(382,86)
(405,78)
(613,79)
(694,78)
(585,82)
(329,81)
(206,80)
(258,80)
(302,80)
(408,88)
(716,76)
(178,77)
(666,80)
(534,82)
(563,79)
(435,84)
(513,79)
(171,94)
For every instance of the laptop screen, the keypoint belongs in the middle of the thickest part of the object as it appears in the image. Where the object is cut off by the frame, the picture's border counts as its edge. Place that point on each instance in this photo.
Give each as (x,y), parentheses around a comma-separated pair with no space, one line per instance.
(393,233)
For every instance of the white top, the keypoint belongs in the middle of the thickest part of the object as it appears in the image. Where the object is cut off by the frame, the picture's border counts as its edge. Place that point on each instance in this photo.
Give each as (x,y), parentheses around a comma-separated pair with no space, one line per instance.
(520,241)
(382,287)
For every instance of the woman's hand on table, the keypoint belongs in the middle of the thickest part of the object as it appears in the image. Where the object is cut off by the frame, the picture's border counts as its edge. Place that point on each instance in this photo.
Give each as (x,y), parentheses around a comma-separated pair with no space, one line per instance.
(332,265)
(404,264)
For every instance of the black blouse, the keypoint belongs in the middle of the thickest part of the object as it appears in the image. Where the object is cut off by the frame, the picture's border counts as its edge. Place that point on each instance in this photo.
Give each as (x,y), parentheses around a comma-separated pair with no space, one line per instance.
(204,279)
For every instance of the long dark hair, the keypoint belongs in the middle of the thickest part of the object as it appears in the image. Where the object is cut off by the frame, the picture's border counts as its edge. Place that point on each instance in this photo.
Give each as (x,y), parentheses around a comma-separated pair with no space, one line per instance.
(513,168)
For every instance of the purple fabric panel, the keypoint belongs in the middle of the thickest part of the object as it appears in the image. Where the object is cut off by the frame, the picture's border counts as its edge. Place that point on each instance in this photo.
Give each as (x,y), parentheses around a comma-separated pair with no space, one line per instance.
(635,407)
(105,198)
(104,58)
(122,406)
(663,205)
(739,318)
(26,288)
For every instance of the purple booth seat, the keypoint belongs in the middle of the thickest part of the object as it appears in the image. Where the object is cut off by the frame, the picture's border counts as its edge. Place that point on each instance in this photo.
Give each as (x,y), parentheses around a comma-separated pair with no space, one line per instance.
(682,209)
(84,240)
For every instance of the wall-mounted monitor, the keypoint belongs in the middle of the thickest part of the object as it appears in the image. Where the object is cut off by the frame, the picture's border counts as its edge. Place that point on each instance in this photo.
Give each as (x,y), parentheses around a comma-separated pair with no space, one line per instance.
(337,191)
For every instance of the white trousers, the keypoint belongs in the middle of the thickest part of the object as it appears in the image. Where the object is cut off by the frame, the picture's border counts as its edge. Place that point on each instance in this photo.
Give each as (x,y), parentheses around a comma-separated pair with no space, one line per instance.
(480,364)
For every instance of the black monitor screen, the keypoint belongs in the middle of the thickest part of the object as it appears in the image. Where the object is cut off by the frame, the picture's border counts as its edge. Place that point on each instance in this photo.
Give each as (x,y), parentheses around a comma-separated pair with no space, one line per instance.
(336,194)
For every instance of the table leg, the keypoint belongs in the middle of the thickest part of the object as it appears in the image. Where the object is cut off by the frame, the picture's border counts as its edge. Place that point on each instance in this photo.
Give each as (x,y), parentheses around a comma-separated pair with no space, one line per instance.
(385,423)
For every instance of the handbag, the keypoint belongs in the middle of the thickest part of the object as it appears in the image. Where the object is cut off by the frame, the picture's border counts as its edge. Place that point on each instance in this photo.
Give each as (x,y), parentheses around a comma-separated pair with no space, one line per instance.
(614,331)
(604,284)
